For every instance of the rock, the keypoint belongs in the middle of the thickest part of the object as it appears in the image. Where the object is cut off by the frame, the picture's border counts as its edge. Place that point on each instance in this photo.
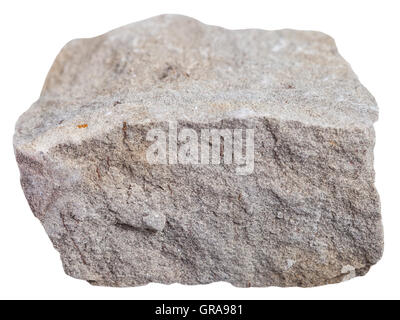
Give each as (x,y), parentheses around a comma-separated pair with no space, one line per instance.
(127,133)
(154,222)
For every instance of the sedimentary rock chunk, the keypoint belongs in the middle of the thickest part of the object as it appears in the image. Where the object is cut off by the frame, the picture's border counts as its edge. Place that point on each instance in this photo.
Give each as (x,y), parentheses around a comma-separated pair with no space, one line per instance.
(172,151)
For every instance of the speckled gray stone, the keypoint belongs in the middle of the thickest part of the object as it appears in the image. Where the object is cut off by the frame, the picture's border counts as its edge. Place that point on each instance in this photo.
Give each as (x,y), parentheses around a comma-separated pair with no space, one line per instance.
(307,215)
(154,221)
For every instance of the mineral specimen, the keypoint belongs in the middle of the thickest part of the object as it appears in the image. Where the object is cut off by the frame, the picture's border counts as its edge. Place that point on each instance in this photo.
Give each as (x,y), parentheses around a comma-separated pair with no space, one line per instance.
(172,151)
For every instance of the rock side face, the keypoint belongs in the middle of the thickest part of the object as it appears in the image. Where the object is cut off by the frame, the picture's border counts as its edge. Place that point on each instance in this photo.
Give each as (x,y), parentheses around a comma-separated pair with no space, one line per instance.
(303,211)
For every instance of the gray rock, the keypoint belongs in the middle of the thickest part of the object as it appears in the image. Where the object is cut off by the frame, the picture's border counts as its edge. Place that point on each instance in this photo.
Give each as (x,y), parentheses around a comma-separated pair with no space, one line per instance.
(154,221)
(306,214)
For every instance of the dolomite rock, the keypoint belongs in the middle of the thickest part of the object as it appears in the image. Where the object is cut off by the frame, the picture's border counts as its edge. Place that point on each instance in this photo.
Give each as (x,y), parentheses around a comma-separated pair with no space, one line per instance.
(307,214)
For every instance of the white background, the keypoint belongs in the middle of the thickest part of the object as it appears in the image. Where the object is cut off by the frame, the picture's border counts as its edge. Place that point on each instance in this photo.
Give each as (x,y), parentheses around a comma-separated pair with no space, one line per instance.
(33,32)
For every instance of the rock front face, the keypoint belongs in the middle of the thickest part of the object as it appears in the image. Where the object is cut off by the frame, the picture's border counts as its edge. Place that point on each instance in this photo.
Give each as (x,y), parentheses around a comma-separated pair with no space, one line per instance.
(172,151)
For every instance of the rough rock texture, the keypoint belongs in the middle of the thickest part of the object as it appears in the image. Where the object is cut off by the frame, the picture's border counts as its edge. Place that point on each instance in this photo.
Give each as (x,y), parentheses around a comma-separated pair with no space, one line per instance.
(308,215)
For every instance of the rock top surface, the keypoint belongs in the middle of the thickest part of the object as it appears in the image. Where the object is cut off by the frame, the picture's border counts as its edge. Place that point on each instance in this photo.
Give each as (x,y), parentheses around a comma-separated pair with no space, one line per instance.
(176,68)
(307,215)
